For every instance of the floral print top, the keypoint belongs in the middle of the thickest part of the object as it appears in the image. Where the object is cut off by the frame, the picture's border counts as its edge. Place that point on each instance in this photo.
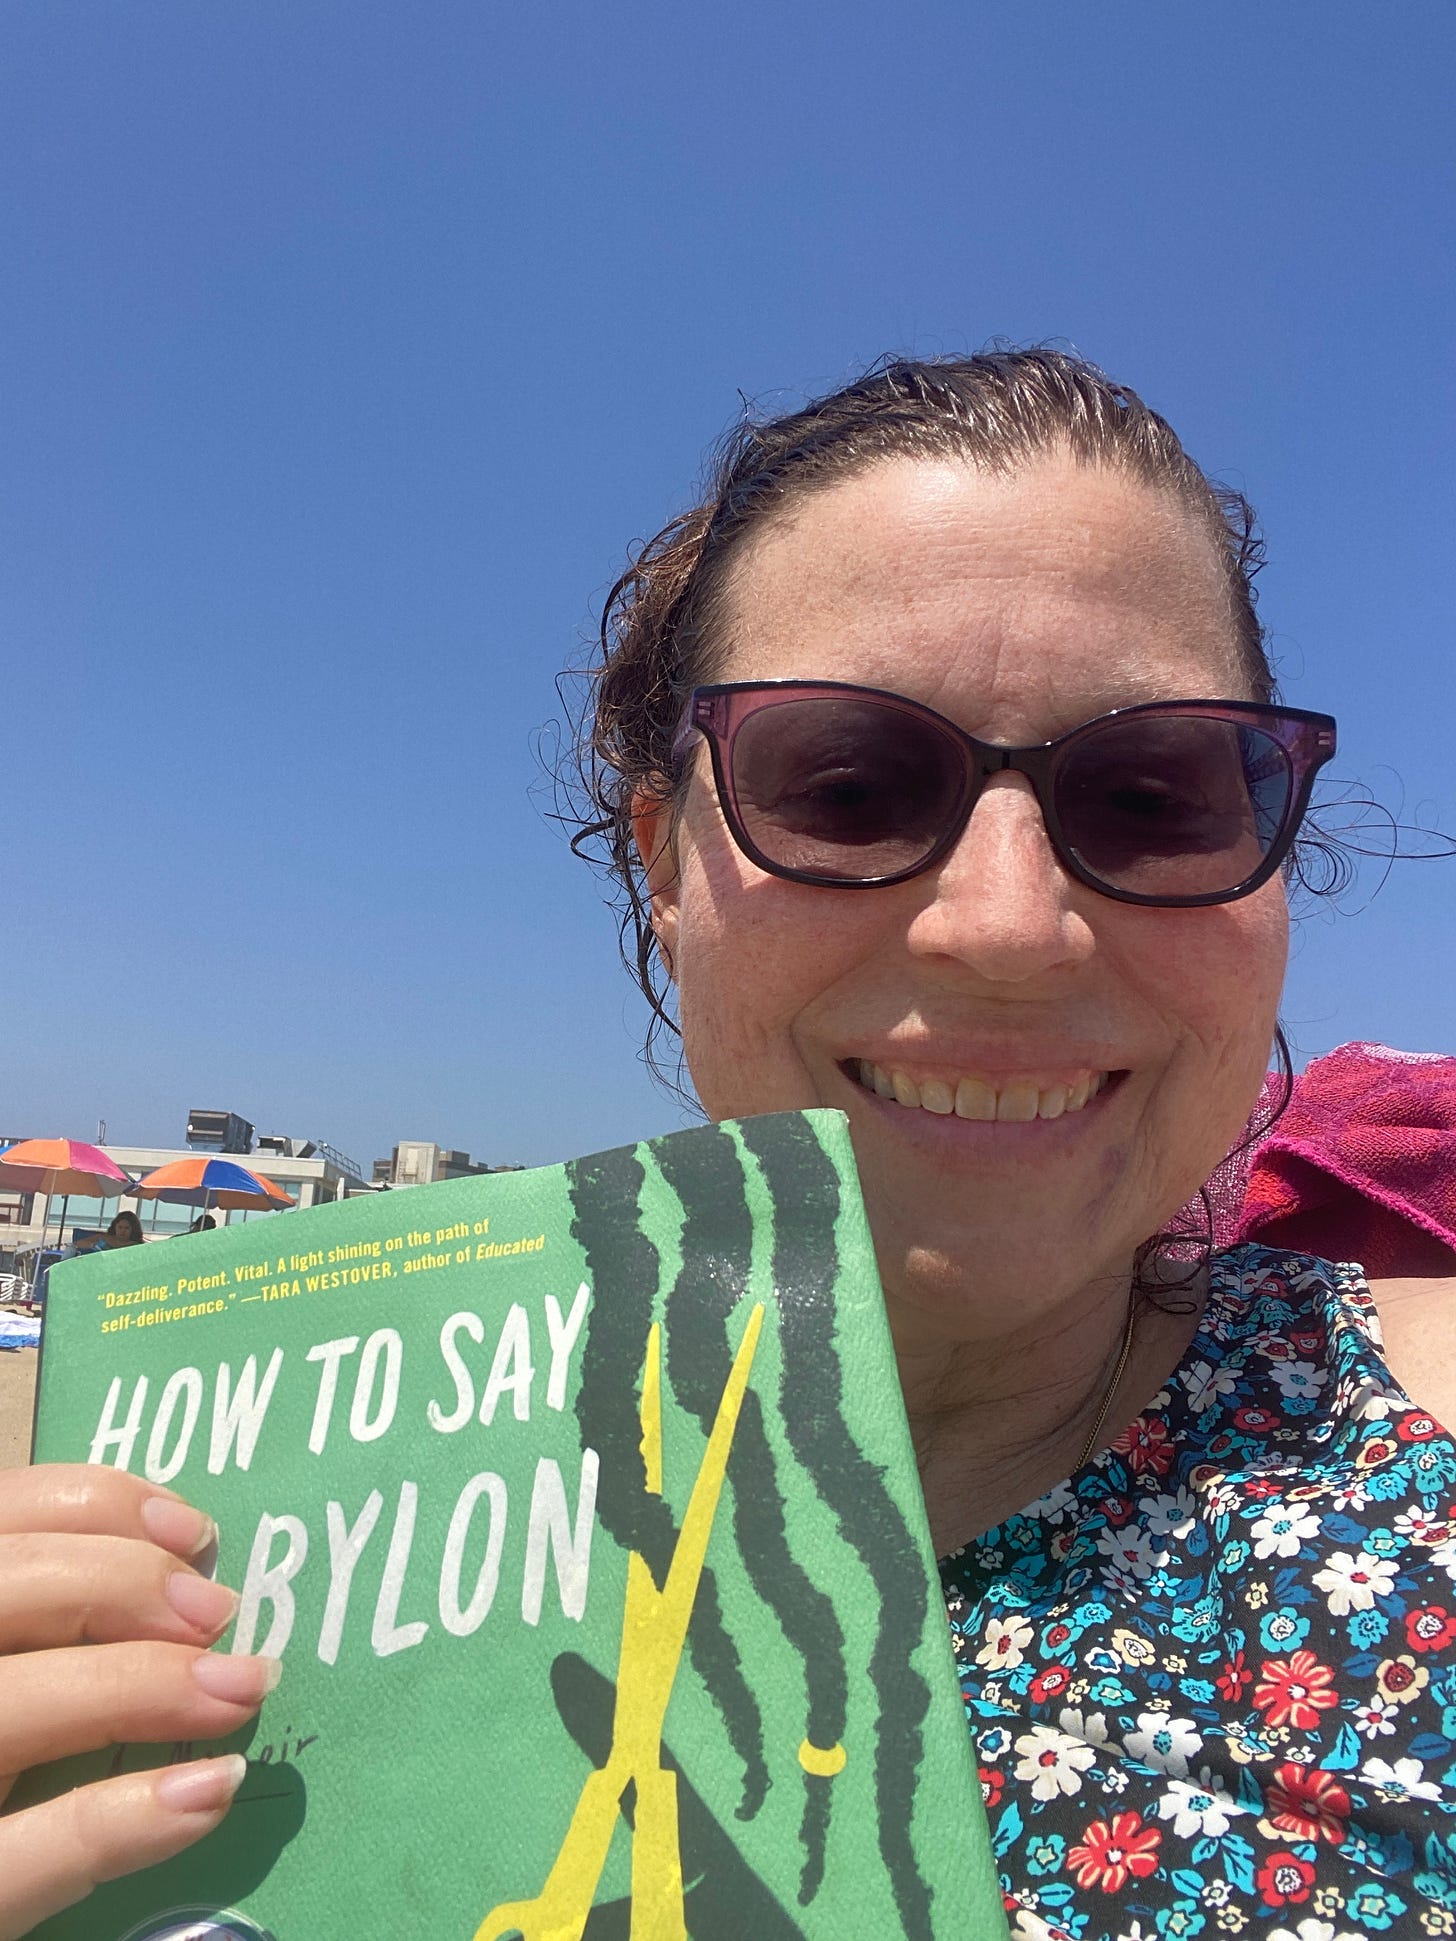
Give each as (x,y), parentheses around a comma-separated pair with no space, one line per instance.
(1212,1676)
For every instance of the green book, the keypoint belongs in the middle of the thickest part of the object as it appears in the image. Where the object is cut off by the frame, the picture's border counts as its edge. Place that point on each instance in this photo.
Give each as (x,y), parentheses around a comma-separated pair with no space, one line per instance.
(581,1508)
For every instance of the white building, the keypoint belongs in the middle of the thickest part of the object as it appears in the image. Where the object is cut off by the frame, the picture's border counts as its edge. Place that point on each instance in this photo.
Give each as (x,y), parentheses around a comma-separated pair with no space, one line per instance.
(309,1171)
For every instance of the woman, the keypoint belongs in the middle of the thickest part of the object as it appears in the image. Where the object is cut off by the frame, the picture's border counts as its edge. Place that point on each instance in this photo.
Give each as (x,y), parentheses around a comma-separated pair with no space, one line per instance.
(125,1231)
(1207,1665)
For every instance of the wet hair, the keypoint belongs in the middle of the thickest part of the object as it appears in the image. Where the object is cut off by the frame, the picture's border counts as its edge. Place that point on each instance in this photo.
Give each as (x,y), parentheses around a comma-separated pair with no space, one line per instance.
(664,630)
(663,627)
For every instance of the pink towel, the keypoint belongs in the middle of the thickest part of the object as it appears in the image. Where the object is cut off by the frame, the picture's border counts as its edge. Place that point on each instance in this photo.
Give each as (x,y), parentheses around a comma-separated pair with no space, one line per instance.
(1362,1165)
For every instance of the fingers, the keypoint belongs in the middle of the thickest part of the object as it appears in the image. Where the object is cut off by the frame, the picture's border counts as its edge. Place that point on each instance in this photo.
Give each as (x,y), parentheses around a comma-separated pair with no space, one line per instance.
(53,1855)
(54,1703)
(85,1499)
(99,1590)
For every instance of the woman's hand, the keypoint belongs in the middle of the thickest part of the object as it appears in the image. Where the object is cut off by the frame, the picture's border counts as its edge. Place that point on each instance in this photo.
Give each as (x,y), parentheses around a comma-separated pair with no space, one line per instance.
(104,1629)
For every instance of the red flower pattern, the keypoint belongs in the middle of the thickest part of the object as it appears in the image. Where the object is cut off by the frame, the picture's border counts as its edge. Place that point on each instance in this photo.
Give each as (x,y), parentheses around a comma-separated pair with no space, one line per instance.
(1295,1690)
(1256,1420)
(1112,1850)
(1259,1487)
(1051,1683)
(1145,1443)
(1307,1804)
(1284,1880)
(1431,1628)
(1417,1428)
(1233,1679)
(1291,1716)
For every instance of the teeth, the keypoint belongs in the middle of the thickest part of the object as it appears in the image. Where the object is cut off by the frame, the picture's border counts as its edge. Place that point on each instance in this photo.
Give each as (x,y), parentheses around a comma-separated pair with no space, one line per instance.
(975,1099)
(907,1092)
(1017,1103)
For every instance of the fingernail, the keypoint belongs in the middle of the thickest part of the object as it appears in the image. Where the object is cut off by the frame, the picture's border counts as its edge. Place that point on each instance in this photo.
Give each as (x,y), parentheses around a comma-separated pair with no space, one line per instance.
(200,1602)
(176,1526)
(242,1681)
(203,1787)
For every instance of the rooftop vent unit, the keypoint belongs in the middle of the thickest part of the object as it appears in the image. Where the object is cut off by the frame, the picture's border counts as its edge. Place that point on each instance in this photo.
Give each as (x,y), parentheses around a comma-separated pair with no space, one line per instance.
(218,1132)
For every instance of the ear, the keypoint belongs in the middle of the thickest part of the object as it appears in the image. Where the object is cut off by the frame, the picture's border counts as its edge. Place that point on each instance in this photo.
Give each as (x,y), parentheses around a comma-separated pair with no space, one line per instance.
(653,832)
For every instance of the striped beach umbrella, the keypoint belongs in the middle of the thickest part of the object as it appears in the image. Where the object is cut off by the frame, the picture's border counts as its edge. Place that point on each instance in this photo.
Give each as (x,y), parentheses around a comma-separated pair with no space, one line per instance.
(212,1182)
(65,1166)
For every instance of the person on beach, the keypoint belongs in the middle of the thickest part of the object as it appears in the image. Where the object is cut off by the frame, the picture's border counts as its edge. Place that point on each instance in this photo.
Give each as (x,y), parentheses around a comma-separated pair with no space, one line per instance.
(125,1230)
(942,771)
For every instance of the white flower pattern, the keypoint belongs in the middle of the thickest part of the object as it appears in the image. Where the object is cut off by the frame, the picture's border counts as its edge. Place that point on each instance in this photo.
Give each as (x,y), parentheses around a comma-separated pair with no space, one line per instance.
(1051,1762)
(1275,1584)
(1005,1645)
(1163,1742)
(1199,1809)
(1354,1583)
(1402,1779)
(1281,1532)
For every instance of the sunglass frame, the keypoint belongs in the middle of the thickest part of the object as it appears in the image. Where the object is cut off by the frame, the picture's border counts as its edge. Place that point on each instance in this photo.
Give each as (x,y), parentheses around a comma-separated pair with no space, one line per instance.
(717,711)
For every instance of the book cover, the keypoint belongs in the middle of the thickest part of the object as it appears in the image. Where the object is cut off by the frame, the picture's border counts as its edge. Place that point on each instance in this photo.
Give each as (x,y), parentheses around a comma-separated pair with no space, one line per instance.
(581,1508)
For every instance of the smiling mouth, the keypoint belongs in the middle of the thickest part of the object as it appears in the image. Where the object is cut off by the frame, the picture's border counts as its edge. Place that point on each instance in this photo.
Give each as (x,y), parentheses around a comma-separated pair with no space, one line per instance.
(1014,1101)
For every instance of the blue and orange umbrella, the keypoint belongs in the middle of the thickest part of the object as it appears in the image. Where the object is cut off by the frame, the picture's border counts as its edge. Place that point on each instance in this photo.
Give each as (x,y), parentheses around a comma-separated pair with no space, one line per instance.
(210,1183)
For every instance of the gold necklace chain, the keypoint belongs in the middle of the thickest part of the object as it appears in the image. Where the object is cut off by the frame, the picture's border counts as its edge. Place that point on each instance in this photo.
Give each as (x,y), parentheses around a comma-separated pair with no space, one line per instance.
(1117,1374)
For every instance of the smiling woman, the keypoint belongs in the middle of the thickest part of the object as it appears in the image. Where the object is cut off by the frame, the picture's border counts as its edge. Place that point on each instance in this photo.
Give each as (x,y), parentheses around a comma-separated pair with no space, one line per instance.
(940,766)
(1021,606)
(942,772)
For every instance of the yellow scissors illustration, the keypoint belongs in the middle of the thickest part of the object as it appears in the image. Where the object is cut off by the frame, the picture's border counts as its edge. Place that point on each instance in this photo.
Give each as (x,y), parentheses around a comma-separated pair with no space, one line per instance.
(654,1631)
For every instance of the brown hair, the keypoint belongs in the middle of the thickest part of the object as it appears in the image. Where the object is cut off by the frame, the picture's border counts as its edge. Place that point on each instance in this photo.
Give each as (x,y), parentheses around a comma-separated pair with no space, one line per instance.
(660,625)
(125,1229)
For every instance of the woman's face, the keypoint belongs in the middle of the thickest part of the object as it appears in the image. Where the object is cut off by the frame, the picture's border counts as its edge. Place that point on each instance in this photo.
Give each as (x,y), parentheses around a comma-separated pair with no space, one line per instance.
(1018,607)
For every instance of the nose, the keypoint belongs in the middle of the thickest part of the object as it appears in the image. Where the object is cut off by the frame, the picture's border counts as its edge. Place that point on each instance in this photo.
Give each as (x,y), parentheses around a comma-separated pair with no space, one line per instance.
(1000,903)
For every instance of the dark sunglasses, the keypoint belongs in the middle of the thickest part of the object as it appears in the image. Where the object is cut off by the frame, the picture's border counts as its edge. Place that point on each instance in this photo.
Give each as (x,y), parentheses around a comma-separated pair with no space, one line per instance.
(1175,803)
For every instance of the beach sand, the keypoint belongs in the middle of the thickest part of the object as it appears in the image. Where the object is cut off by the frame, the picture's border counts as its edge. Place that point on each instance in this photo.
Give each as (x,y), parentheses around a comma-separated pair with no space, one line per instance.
(17,1395)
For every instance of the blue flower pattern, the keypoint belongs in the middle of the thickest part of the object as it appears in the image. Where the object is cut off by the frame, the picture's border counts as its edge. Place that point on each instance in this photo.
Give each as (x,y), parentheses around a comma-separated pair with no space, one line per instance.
(1212,1676)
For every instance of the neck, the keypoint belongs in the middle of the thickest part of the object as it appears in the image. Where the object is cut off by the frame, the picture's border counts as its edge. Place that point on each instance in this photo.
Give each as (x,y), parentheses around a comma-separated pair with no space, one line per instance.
(997,1421)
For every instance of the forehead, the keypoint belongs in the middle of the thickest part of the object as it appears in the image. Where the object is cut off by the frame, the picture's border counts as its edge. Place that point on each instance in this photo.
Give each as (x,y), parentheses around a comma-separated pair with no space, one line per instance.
(1017,604)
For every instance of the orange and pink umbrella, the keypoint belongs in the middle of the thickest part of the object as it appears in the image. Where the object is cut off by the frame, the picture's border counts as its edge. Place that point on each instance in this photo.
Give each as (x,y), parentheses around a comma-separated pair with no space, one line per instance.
(65,1166)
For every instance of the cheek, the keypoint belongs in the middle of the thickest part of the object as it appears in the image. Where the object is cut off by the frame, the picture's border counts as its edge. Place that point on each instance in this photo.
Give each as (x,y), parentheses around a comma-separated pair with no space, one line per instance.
(1237,968)
(1221,974)
(742,972)
(1219,971)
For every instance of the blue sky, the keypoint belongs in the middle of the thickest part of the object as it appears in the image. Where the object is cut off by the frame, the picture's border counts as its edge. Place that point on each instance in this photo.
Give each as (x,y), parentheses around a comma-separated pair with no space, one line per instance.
(347,347)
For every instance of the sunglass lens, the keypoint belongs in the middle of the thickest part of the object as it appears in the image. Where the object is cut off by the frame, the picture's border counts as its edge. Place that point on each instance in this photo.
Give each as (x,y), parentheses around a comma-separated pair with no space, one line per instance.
(1174,805)
(844,789)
